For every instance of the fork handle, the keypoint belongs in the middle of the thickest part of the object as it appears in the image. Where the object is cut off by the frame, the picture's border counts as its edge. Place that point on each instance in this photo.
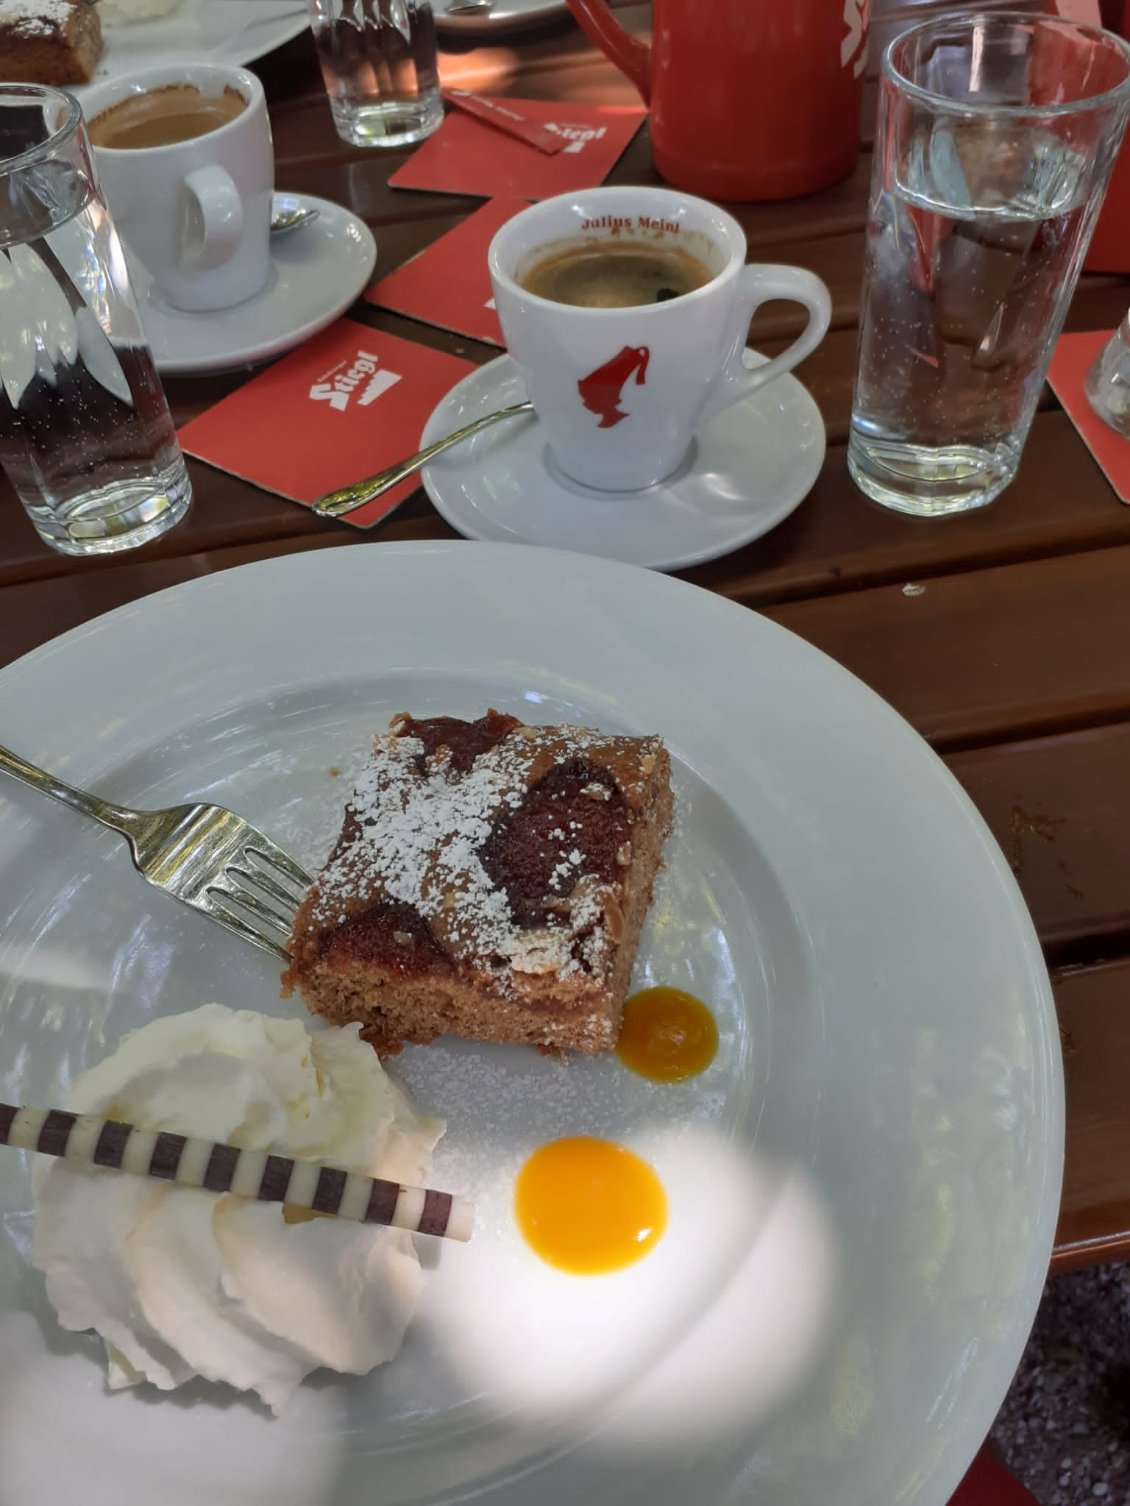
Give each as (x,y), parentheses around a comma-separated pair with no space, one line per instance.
(124,822)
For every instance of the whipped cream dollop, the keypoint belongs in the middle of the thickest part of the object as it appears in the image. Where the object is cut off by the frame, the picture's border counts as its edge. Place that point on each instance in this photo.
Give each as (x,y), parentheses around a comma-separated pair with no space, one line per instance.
(180,1282)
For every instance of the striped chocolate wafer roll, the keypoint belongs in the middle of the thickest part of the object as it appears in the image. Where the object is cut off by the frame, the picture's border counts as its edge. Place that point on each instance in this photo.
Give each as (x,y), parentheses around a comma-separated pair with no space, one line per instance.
(311,1185)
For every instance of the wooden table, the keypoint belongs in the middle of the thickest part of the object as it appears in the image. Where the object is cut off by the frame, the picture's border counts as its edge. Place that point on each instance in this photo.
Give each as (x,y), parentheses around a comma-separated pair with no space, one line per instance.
(1011,655)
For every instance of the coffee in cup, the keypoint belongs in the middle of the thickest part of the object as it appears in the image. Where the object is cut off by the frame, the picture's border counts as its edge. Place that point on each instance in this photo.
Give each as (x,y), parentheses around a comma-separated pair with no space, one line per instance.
(162,116)
(618,274)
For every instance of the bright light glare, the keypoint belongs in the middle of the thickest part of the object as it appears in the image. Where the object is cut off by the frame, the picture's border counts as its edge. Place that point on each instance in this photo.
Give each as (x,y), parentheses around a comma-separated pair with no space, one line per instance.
(482,70)
(58,969)
(710,1331)
(762,1335)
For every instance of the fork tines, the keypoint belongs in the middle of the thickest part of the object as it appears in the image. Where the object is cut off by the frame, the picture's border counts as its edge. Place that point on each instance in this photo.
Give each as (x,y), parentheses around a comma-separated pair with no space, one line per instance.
(257,895)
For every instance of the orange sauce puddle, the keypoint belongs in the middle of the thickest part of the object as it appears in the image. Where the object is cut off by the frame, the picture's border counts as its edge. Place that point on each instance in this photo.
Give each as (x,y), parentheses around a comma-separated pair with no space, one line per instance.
(667,1035)
(589,1206)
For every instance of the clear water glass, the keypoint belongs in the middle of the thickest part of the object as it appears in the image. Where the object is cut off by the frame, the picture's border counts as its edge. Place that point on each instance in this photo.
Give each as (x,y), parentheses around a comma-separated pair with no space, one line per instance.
(86,437)
(1107,384)
(381,70)
(996,137)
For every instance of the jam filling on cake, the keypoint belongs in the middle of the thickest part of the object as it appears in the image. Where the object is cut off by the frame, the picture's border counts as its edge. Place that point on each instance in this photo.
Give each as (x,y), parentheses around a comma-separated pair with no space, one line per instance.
(486,842)
(464,741)
(573,820)
(392,935)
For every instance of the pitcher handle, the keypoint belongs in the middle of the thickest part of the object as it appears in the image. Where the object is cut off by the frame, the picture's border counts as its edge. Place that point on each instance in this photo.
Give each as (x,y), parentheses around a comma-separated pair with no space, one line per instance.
(630,55)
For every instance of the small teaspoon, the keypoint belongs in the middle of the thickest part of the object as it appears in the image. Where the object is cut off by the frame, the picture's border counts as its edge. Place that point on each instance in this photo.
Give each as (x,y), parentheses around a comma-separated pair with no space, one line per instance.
(349,498)
(289,214)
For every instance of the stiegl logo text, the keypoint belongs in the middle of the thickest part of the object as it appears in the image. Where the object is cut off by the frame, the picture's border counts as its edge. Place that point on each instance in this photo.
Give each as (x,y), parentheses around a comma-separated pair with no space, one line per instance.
(361,380)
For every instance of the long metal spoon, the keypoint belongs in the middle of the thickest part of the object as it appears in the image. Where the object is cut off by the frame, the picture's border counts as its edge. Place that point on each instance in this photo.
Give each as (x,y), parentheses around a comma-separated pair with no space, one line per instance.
(349,498)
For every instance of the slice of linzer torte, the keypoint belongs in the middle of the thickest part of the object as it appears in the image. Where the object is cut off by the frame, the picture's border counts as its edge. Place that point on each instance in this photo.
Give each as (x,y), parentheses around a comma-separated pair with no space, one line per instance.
(490,881)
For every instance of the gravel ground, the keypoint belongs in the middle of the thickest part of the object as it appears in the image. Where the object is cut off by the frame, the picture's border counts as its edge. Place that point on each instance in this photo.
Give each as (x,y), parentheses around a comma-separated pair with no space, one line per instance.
(1065,1424)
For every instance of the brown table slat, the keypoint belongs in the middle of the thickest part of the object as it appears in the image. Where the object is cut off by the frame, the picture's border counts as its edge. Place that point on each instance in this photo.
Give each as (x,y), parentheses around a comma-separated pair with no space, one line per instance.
(837,540)
(977,657)
(1060,809)
(1094,1013)
(996,654)
(35,611)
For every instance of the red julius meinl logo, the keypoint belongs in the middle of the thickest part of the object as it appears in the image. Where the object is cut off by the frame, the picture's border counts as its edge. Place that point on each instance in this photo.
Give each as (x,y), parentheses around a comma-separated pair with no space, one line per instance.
(601,390)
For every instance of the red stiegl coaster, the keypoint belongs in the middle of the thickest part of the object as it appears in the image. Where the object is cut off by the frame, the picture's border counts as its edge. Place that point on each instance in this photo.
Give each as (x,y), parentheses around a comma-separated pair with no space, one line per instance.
(448,283)
(349,403)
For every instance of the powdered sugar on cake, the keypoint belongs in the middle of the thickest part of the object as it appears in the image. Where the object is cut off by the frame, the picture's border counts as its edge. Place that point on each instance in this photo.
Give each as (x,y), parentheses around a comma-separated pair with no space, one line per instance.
(45,17)
(417,834)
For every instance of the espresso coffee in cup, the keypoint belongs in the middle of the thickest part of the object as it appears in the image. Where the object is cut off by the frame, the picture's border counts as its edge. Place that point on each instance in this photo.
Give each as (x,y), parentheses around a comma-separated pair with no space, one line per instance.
(615,274)
(162,116)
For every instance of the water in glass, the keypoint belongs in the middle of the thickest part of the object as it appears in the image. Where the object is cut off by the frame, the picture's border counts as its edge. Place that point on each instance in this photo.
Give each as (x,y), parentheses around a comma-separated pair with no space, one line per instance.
(995,140)
(973,254)
(86,437)
(380,67)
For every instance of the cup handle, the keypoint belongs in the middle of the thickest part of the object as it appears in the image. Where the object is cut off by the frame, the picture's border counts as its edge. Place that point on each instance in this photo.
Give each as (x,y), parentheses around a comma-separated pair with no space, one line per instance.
(211,229)
(758,285)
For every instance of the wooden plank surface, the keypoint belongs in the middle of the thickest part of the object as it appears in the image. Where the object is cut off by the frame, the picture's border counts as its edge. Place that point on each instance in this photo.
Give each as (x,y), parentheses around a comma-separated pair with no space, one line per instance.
(1016,650)
(835,542)
(1094,1013)
(1060,809)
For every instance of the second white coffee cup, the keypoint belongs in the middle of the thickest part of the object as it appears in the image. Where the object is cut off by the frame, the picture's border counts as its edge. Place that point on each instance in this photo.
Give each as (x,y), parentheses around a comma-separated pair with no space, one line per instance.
(196,213)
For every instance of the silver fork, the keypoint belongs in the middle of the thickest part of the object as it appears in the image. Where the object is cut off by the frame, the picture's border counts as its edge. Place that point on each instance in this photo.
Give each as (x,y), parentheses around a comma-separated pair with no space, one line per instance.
(203,855)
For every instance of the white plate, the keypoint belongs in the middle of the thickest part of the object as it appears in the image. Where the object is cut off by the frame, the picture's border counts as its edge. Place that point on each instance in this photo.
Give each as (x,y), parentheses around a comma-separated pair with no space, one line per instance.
(748,469)
(504,15)
(316,273)
(221,31)
(863,1185)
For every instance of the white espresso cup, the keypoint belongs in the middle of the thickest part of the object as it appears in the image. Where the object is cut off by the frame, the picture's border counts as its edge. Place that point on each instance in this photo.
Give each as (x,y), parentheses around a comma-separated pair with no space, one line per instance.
(196,213)
(620,391)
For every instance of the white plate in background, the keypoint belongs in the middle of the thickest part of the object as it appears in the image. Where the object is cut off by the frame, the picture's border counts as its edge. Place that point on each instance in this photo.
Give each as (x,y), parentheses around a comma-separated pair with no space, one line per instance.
(504,15)
(217,31)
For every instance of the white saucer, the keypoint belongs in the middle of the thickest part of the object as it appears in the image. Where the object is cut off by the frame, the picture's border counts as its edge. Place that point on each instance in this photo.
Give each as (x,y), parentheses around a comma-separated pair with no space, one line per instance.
(316,273)
(747,470)
(503,15)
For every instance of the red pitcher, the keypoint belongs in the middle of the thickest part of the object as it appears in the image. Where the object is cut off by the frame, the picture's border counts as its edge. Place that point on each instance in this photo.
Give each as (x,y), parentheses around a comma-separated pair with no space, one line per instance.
(748,100)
